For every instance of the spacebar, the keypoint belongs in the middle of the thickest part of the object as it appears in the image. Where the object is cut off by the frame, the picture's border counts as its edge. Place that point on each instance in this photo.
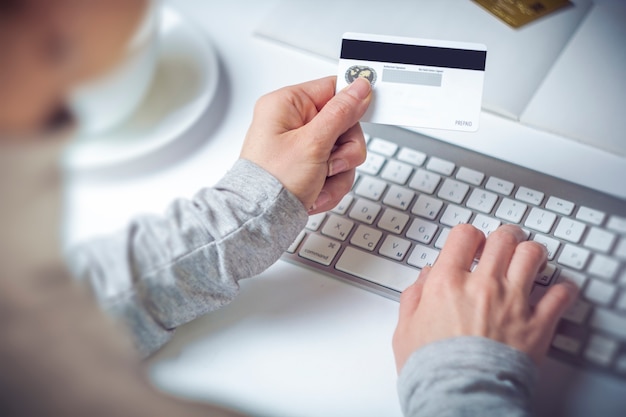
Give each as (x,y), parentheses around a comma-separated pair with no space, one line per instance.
(379,270)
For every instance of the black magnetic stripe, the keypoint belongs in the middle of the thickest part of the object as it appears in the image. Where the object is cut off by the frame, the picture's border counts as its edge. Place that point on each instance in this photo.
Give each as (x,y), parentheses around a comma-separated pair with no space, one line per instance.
(413,54)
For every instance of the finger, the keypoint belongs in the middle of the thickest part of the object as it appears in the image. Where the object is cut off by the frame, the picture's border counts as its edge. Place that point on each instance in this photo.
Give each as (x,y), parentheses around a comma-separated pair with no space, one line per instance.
(411,296)
(349,151)
(460,248)
(333,191)
(319,91)
(499,249)
(305,99)
(340,113)
(555,301)
(551,307)
(528,260)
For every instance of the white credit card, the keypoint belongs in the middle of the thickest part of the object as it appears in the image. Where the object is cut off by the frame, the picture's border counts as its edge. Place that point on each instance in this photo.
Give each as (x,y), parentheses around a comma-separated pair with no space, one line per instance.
(416,82)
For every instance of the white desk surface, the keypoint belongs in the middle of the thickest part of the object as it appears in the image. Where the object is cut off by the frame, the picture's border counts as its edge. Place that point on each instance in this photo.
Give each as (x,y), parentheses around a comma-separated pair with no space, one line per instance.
(294,343)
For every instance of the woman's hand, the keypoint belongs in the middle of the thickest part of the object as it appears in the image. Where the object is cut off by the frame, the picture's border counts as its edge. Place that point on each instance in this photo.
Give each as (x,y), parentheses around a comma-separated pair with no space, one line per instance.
(448,300)
(310,140)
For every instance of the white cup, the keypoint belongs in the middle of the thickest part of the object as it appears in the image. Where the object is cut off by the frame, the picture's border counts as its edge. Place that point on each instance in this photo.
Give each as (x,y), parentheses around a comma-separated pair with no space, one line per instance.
(109,100)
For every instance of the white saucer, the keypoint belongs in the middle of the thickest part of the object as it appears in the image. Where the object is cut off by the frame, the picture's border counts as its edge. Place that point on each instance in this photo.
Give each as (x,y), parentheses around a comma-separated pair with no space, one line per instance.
(184,84)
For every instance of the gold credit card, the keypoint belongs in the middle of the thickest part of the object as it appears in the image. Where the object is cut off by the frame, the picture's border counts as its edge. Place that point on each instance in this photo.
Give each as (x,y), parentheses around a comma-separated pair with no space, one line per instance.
(517,13)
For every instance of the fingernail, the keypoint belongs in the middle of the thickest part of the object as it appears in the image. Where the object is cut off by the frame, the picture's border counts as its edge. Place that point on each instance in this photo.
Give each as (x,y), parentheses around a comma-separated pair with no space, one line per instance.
(519,233)
(322,199)
(359,89)
(337,166)
(543,247)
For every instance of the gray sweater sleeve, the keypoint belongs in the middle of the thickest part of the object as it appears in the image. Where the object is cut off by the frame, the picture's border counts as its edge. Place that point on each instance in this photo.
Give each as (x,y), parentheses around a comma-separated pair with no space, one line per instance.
(467,376)
(161,272)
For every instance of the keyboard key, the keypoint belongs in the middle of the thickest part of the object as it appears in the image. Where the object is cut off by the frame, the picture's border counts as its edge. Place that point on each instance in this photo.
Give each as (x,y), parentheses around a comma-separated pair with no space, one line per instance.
(382,146)
(422,231)
(577,312)
(425,181)
(393,221)
(443,236)
(394,247)
(590,215)
(338,227)
(572,276)
(511,210)
(364,211)
(599,239)
(486,224)
(574,256)
(500,186)
(379,270)
(601,350)
(454,215)
(552,245)
(481,200)
(545,276)
(399,197)
(600,292)
(621,302)
(569,230)
(560,206)
(609,322)
(373,163)
(440,165)
(540,220)
(397,172)
(315,221)
(422,256)
(427,207)
(294,245)
(372,188)
(529,195)
(603,267)
(470,176)
(617,224)
(319,249)
(452,190)
(620,249)
(567,344)
(343,205)
(366,237)
(411,156)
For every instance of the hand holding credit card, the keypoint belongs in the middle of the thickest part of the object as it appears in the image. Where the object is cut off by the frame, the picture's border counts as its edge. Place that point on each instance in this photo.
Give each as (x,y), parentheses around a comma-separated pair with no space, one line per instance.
(416,82)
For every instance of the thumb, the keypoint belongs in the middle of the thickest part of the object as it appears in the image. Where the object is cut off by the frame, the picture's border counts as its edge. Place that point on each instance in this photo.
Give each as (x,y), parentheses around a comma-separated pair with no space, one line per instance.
(410,297)
(341,112)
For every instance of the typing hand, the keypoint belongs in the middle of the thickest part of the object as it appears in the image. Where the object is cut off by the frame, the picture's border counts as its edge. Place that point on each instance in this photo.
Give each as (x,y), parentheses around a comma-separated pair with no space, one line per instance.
(310,140)
(448,300)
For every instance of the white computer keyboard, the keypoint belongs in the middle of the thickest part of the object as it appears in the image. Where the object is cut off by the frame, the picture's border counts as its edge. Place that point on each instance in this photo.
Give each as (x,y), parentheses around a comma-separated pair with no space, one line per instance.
(412,189)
